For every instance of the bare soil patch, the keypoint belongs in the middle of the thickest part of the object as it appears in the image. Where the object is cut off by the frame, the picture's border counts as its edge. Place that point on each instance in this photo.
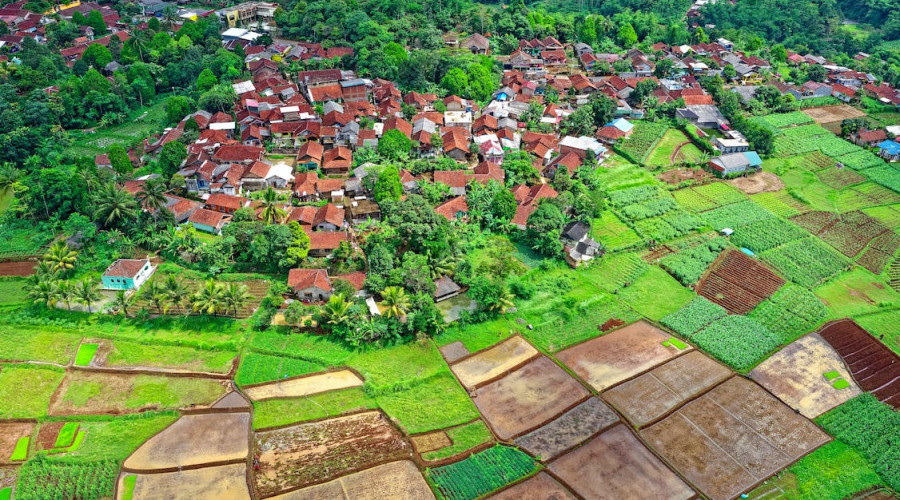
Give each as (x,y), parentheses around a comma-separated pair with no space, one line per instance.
(18,268)
(10,433)
(232,400)
(541,486)
(431,441)
(493,362)
(194,440)
(796,375)
(733,437)
(616,465)
(454,351)
(834,113)
(305,386)
(875,367)
(47,434)
(738,283)
(679,175)
(605,361)
(527,397)
(611,324)
(569,430)
(226,482)
(760,182)
(655,393)
(384,482)
(305,454)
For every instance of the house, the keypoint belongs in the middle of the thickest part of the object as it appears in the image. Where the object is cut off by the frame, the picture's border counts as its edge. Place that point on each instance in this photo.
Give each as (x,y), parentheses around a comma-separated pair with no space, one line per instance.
(731,142)
(454,179)
(363,209)
(579,246)
(445,288)
(870,137)
(735,163)
(455,146)
(226,203)
(208,221)
(323,243)
(310,155)
(477,44)
(619,128)
(842,92)
(582,147)
(127,274)
(337,161)
(454,208)
(889,150)
(703,116)
(329,217)
(310,285)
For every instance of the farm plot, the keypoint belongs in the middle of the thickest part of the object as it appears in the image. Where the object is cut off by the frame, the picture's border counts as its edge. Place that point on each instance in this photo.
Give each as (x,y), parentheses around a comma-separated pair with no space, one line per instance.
(664,154)
(721,193)
(885,175)
(738,283)
(694,317)
(654,394)
(612,232)
(732,437)
(799,140)
(839,178)
(688,264)
(298,456)
(738,341)
(805,374)
(616,465)
(493,362)
(393,480)
(304,386)
(792,311)
(766,234)
(194,440)
(874,367)
(783,120)
(780,203)
(448,443)
(605,361)
(225,482)
(690,199)
(760,182)
(41,478)
(880,252)
(569,430)
(860,160)
(90,393)
(642,140)
(10,434)
(807,261)
(735,214)
(541,485)
(481,473)
(27,390)
(848,233)
(528,397)
(836,113)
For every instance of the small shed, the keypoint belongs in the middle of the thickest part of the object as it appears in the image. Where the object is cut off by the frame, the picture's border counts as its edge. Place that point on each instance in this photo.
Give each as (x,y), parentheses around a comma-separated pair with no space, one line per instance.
(445,288)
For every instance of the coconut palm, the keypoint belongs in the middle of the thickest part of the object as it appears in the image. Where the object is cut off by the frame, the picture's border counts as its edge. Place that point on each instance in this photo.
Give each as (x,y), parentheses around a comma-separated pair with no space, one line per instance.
(271,209)
(44,292)
(138,43)
(9,177)
(88,293)
(43,269)
(154,293)
(114,205)
(152,196)
(60,256)
(65,293)
(396,302)
(209,299)
(234,297)
(122,302)
(336,311)
(176,292)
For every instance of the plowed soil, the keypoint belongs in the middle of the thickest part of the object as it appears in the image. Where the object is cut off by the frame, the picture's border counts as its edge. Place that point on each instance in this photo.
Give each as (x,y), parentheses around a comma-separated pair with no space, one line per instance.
(47,435)
(226,482)
(540,487)
(761,182)
(454,351)
(738,283)
(431,441)
(493,362)
(616,465)
(305,386)
(396,480)
(605,361)
(875,367)
(311,453)
(655,393)
(569,430)
(9,435)
(195,440)
(528,397)
(20,268)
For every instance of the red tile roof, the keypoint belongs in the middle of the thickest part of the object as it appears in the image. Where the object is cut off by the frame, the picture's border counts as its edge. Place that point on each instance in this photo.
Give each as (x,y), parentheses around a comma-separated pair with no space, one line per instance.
(206,217)
(452,207)
(300,279)
(452,178)
(238,152)
(356,279)
(326,240)
(125,268)
(225,201)
(329,213)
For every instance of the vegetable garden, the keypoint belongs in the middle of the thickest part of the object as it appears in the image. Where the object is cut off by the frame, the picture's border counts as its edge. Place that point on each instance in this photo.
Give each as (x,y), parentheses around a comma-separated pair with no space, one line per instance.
(642,140)
(482,473)
(42,479)
(738,341)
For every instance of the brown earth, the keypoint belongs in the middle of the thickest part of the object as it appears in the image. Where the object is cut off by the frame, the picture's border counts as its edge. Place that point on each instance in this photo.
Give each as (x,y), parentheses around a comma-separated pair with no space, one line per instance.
(527,397)
(875,367)
(232,400)
(760,182)
(8,476)
(493,362)
(431,441)
(304,386)
(569,430)
(616,465)
(796,376)
(679,175)
(738,283)
(10,432)
(390,481)
(47,434)
(655,393)
(454,351)
(605,361)
(18,268)
(733,437)
(539,487)
(834,113)
(226,482)
(315,452)
(194,440)
(611,324)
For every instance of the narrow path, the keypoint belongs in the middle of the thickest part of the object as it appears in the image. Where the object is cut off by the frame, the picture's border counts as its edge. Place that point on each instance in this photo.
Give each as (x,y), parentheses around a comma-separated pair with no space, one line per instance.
(677,150)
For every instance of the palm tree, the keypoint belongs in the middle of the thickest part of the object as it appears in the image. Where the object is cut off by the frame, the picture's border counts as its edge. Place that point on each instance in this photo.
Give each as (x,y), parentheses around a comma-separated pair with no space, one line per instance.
(88,293)
(152,196)
(336,310)
(138,43)
(43,269)
(60,256)
(9,177)
(176,292)
(209,299)
(65,293)
(154,294)
(396,302)
(234,297)
(272,212)
(123,301)
(114,205)
(44,292)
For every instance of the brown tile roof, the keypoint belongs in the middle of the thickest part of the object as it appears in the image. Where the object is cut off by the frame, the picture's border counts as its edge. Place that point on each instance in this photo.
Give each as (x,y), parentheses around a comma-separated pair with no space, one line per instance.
(453,140)
(304,215)
(339,157)
(452,178)
(238,152)
(393,122)
(206,217)
(258,169)
(300,279)
(450,208)
(329,213)
(311,149)
(326,240)
(125,268)
(329,185)
(522,214)
(356,279)
(873,136)
(330,91)
(226,201)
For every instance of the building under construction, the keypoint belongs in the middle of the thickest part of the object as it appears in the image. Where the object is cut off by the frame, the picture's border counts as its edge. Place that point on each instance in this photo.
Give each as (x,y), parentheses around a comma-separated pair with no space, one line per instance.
(248,13)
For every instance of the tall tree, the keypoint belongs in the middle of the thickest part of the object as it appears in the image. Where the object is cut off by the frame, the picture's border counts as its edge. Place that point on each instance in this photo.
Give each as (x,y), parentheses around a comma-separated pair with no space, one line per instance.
(152,196)
(272,212)
(396,302)
(209,298)
(388,186)
(114,205)
(60,256)
(234,297)
(88,293)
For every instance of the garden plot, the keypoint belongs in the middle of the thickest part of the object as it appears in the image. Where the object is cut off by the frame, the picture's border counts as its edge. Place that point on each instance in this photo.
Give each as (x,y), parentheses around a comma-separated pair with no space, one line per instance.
(304,386)
(454,351)
(493,362)
(301,455)
(848,233)
(874,367)
(829,114)
(481,473)
(760,182)
(384,482)
(733,437)
(738,283)
(569,430)
(540,486)
(616,465)
(528,397)
(806,376)
(232,401)
(448,443)
(226,482)
(194,440)
(605,361)
(10,434)
(880,252)
(657,392)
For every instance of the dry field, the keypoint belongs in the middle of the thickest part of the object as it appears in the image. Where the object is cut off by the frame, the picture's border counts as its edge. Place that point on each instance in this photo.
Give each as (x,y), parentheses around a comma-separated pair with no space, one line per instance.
(10,432)
(226,482)
(836,113)
(493,362)
(541,486)
(394,480)
(304,386)
(569,430)
(194,440)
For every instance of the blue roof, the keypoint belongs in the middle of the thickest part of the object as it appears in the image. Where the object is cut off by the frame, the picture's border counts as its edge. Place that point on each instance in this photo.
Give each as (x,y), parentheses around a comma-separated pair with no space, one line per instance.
(622,124)
(893,148)
(753,158)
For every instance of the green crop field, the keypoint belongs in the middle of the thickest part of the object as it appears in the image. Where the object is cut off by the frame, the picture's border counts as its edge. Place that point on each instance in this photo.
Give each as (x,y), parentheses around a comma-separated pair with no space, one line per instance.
(481,473)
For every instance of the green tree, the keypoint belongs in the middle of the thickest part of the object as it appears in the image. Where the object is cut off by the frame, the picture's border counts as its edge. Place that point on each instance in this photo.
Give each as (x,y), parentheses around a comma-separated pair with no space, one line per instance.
(335,312)
(95,20)
(171,157)
(234,297)
(152,196)
(43,291)
(394,145)
(113,205)
(388,186)
(455,82)
(88,293)
(209,299)
(395,301)
(206,80)
(299,247)
(122,302)
(60,256)
(177,107)
(97,55)
(626,36)
(272,212)
(176,292)
(544,227)
(119,160)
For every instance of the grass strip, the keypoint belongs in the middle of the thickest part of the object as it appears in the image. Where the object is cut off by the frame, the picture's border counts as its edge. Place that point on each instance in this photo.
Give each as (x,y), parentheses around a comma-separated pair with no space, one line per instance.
(21,450)
(66,434)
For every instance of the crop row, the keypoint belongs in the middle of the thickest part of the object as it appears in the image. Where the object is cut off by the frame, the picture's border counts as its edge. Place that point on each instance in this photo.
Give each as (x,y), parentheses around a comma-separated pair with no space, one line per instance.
(736,214)
(672,225)
(860,160)
(482,473)
(738,341)
(642,140)
(632,195)
(41,479)
(782,120)
(694,316)
(791,312)
(687,266)
(885,175)
(650,208)
(807,261)
(766,234)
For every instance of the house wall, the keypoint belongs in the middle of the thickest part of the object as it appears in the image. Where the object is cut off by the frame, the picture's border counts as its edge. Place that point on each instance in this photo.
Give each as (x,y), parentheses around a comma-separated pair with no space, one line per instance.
(312,293)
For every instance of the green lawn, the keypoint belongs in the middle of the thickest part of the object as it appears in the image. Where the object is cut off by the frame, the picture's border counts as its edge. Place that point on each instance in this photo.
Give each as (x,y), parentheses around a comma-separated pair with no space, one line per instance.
(127,353)
(464,437)
(856,292)
(13,291)
(25,390)
(117,437)
(256,368)
(656,294)
(478,336)
(140,124)
(316,348)
(612,233)
(435,403)
(276,412)
(662,153)
(98,392)
(86,353)
(27,343)
(888,215)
